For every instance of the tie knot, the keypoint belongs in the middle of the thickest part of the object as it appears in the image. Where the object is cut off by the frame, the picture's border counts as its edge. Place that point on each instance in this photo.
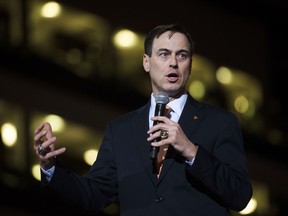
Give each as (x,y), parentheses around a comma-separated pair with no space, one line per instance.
(168,111)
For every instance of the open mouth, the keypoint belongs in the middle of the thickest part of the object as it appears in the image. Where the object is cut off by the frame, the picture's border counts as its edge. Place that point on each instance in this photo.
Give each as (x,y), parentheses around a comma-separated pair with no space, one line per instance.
(173,77)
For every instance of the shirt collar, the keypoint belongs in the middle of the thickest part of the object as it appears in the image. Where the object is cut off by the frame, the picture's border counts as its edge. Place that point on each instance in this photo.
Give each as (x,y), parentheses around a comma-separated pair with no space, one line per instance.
(176,105)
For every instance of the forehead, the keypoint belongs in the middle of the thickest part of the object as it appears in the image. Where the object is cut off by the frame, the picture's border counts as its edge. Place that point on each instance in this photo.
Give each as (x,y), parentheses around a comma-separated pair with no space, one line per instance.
(176,41)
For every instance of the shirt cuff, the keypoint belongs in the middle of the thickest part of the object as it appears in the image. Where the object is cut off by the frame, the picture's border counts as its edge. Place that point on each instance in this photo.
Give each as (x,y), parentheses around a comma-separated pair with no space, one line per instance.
(48,173)
(190,162)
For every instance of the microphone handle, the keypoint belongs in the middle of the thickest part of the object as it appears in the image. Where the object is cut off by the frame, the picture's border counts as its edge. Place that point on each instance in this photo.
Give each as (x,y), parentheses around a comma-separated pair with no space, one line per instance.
(159,111)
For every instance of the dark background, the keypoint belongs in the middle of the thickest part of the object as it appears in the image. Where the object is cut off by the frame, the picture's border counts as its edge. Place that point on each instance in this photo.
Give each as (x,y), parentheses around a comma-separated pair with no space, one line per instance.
(249,35)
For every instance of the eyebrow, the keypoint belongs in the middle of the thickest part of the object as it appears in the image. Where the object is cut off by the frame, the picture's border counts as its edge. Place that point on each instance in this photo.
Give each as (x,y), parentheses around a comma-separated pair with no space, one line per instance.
(167,50)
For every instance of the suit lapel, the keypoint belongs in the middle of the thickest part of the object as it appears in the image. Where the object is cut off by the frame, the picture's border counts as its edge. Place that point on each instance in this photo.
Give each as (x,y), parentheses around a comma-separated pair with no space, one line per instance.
(191,116)
(140,127)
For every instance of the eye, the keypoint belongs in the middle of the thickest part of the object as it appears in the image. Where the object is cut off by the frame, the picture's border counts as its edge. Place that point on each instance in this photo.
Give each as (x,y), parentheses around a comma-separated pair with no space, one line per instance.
(182,55)
(164,54)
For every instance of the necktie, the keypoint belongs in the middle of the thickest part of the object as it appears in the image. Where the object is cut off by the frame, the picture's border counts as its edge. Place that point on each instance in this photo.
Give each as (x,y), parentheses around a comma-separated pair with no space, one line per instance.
(163,149)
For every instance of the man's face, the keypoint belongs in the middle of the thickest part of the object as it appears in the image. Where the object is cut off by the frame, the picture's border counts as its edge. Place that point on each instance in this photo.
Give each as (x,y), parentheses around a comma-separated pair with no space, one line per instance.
(170,63)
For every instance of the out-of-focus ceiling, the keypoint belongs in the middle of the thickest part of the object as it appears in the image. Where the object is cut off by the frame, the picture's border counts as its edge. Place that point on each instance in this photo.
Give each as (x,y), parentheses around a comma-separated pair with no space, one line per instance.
(199,16)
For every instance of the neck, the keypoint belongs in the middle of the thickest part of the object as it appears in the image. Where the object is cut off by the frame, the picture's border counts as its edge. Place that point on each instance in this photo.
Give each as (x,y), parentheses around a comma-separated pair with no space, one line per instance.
(173,95)
(177,95)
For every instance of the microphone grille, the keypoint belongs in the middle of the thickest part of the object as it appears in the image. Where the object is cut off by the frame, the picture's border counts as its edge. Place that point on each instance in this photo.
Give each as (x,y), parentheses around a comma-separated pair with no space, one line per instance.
(161,98)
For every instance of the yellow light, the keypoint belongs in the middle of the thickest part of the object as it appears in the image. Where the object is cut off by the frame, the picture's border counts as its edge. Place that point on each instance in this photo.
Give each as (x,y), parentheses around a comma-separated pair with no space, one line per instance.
(51,9)
(90,156)
(224,75)
(241,104)
(251,207)
(36,173)
(57,123)
(197,89)
(9,134)
(125,38)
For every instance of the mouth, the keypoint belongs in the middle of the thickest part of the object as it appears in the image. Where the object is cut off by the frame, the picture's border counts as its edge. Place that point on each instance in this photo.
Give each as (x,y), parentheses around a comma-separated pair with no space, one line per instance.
(172,77)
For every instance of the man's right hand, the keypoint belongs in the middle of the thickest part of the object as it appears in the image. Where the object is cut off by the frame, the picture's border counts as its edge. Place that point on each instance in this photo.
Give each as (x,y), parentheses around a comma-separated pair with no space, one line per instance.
(44,146)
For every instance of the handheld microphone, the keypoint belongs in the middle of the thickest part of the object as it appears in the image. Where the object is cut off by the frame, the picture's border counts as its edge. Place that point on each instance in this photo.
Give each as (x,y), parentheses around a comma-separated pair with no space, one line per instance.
(161,100)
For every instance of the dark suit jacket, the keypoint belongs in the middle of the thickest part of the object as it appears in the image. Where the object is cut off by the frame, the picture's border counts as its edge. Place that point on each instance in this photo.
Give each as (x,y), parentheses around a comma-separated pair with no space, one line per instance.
(217,181)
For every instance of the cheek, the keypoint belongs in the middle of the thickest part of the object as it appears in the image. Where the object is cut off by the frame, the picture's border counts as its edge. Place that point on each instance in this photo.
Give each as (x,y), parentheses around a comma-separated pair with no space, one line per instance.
(186,74)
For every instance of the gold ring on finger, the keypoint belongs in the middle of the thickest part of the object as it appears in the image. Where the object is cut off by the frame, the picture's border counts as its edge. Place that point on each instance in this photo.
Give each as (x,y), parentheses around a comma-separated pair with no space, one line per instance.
(164,134)
(40,150)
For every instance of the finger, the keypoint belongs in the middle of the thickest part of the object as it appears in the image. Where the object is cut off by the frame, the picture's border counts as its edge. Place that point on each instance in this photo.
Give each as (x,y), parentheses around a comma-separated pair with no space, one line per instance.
(48,128)
(49,143)
(39,135)
(45,148)
(52,154)
(42,147)
(157,127)
(154,136)
(39,128)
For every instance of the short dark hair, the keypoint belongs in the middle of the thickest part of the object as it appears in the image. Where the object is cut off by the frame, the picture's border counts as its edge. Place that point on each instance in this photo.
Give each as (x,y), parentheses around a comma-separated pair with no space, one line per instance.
(159,30)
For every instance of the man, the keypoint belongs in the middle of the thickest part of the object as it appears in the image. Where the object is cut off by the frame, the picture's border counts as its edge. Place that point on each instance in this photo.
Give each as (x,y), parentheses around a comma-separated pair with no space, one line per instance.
(204,171)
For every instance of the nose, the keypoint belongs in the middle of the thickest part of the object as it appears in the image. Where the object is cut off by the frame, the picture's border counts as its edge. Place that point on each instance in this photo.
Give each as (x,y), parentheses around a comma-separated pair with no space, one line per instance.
(174,66)
(173,62)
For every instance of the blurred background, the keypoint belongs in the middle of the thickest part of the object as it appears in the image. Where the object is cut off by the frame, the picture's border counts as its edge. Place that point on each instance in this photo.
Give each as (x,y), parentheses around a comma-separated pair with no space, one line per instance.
(78,64)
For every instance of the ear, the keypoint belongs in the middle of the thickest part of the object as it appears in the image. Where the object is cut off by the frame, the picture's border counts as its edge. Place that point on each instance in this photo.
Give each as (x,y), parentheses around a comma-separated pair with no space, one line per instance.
(146,65)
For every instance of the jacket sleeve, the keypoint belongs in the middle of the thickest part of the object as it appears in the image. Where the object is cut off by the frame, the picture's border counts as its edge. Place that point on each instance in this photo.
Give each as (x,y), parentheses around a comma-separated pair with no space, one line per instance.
(219,168)
(90,192)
